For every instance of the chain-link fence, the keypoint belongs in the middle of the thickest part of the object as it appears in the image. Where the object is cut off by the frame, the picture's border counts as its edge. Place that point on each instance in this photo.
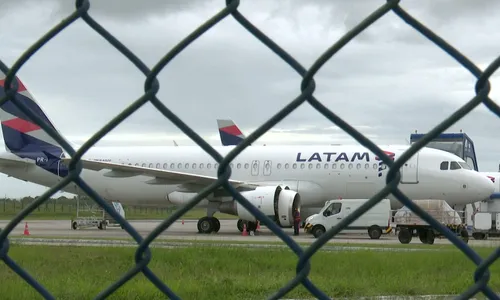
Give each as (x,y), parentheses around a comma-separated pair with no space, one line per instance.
(143,255)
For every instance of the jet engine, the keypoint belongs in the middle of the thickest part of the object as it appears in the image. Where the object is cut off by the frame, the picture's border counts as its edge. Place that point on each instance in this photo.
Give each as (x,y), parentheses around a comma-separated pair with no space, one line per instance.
(278,203)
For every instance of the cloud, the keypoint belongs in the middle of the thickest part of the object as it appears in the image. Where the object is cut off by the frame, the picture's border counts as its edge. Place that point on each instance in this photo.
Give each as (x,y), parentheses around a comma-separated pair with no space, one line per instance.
(387,82)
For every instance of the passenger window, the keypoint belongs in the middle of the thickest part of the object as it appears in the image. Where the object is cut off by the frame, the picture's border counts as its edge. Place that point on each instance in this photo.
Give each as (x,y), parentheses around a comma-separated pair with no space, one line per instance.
(201,166)
(193,166)
(454,166)
(310,166)
(287,166)
(444,165)
(151,165)
(158,165)
(172,166)
(165,166)
(238,166)
(144,165)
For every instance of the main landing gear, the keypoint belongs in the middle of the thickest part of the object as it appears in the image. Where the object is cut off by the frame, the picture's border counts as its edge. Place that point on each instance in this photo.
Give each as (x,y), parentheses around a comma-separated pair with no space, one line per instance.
(208,225)
(251,226)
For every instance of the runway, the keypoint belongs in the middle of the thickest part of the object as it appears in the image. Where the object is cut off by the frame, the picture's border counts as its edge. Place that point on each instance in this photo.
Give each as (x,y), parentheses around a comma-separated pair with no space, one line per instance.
(188,231)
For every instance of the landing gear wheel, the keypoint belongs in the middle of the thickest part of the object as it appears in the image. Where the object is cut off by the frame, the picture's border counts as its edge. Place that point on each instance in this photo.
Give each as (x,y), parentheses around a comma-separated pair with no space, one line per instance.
(239,224)
(74,225)
(404,236)
(205,225)
(251,226)
(216,224)
(374,232)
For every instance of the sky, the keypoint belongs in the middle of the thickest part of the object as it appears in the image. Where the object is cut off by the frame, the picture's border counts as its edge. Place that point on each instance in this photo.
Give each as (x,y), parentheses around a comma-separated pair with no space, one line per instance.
(388,82)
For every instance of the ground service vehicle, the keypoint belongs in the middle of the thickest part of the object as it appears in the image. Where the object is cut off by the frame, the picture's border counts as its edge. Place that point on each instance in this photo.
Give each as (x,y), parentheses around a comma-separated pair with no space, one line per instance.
(485,224)
(376,220)
(408,224)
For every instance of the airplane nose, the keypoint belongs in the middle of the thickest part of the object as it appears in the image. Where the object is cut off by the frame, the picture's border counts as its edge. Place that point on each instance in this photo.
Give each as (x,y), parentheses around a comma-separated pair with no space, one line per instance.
(484,187)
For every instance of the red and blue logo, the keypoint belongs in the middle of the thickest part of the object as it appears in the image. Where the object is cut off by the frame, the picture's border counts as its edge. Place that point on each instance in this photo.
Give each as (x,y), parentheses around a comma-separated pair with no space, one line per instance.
(491,178)
(381,165)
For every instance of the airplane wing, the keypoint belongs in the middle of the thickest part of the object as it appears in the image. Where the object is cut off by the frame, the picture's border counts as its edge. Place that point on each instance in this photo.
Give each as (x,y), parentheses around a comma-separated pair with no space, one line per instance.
(159,176)
(12,163)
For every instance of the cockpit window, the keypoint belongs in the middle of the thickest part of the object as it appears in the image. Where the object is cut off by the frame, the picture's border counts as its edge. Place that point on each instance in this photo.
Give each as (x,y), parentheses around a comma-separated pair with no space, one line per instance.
(444,165)
(465,165)
(454,165)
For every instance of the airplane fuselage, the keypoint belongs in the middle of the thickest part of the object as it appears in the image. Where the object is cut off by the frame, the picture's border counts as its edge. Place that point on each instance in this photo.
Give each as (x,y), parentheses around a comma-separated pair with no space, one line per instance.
(317,173)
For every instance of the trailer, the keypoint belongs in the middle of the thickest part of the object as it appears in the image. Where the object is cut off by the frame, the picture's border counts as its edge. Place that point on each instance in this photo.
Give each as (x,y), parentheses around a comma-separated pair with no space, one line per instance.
(93,215)
(88,215)
(408,224)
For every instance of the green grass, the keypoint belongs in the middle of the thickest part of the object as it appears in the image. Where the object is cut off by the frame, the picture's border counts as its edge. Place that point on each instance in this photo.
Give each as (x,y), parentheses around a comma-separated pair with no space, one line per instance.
(227,273)
(65,212)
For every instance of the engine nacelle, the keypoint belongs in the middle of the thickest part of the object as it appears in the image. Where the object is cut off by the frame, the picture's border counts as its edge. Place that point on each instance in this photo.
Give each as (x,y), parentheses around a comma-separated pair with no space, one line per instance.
(275,202)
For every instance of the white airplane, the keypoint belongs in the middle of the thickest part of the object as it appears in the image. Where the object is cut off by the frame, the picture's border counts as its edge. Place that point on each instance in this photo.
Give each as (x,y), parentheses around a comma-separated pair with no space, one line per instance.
(276,179)
(231,135)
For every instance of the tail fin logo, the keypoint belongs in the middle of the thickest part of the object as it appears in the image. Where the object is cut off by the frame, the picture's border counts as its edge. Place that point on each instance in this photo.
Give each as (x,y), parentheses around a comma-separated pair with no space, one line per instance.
(381,165)
(229,132)
(22,136)
(20,85)
(491,178)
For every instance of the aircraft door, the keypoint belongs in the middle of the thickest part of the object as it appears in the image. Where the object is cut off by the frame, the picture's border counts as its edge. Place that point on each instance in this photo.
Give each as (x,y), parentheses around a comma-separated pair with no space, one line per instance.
(267,167)
(409,171)
(255,168)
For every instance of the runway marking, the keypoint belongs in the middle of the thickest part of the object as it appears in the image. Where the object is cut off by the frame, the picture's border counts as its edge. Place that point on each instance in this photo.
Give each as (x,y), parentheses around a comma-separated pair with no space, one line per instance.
(170,244)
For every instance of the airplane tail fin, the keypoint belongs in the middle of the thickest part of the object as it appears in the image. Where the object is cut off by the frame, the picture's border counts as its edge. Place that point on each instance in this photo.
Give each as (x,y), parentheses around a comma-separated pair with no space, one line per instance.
(230,134)
(21,135)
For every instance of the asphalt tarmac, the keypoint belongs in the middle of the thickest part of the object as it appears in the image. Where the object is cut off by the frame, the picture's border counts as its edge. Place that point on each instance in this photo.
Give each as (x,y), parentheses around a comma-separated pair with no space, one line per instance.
(188,231)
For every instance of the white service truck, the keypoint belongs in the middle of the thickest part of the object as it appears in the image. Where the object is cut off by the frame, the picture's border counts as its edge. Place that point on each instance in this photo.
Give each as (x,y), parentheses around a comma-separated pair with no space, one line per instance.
(484,219)
(376,220)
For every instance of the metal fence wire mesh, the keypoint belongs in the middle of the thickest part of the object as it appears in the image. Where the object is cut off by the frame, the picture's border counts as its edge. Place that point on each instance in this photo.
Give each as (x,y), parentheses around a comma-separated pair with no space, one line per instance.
(151,87)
